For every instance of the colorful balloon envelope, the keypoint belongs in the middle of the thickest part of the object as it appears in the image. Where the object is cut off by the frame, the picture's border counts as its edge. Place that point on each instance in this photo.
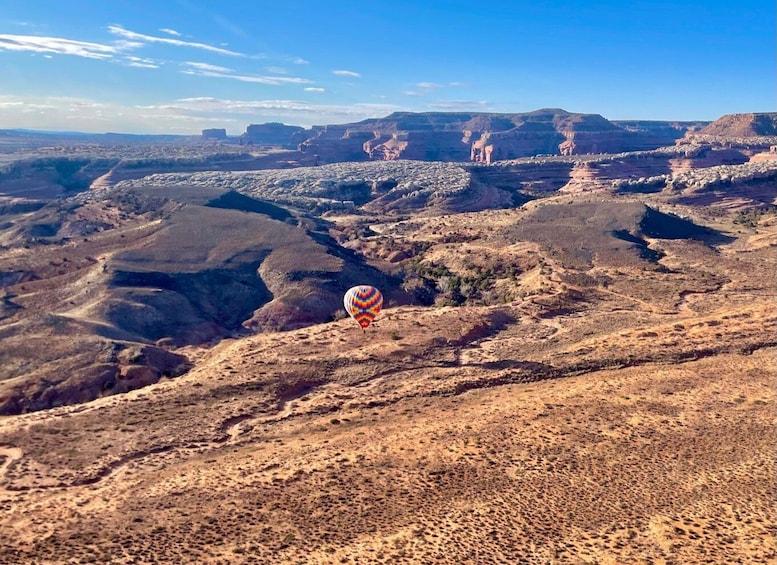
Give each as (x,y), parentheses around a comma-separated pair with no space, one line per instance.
(363,303)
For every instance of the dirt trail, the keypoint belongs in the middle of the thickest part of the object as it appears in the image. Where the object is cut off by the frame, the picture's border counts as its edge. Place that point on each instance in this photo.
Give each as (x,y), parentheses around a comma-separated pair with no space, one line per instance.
(102,182)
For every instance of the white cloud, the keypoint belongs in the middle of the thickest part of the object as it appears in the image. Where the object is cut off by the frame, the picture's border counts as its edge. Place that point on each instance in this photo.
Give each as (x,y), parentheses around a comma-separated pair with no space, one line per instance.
(143,38)
(300,61)
(169,31)
(58,45)
(125,45)
(428,85)
(141,65)
(126,41)
(297,112)
(212,71)
(210,104)
(207,67)
(346,73)
(62,113)
(314,89)
(286,111)
(141,62)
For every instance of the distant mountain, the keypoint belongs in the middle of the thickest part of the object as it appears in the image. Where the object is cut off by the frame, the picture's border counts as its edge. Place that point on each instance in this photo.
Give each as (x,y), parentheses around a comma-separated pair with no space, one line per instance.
(34,132)
(108,138)
(479,137)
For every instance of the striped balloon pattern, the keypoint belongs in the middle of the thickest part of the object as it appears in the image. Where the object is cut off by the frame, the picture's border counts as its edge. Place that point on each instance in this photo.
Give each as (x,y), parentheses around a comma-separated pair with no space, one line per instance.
(363,303)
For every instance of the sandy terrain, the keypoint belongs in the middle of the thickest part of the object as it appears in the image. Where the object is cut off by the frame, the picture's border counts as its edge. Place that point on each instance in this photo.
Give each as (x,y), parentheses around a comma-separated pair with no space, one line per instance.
(623,434)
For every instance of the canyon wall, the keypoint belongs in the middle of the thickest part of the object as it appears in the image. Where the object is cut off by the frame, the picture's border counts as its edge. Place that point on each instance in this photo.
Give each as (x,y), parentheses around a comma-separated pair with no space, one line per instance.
(482,138)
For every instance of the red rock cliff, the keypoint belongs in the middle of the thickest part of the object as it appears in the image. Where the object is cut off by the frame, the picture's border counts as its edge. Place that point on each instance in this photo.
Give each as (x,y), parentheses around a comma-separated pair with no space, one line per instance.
(480,137)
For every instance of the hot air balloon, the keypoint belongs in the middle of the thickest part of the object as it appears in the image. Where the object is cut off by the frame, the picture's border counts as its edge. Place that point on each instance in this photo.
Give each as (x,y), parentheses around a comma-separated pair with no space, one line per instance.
(363,303)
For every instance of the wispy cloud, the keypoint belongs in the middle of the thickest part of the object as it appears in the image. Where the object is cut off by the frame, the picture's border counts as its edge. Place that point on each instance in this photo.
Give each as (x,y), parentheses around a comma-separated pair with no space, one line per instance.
(57,45)
(314,89)
(346,73)
(169,31)
(293,111)
(186,115)
(300,61)
(88,115)
(210,104)
(141,62)
(143,38)
(127,41)
(214,71)
(207,67)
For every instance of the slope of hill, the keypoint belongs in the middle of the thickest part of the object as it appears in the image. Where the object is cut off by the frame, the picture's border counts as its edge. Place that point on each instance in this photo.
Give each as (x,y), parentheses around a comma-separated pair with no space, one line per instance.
(132,268)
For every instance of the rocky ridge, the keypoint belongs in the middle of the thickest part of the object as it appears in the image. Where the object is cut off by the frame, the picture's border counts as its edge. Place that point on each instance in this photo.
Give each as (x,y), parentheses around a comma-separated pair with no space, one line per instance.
(401,186)
(393,184)
(709,178)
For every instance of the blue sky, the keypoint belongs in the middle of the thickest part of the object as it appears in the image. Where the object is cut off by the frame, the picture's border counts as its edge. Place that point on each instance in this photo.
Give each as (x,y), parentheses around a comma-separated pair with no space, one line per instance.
(178,66)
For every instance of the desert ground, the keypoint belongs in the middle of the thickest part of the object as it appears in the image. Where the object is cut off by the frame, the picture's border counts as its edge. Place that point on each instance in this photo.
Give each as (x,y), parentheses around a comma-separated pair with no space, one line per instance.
(628,422)
(575,362)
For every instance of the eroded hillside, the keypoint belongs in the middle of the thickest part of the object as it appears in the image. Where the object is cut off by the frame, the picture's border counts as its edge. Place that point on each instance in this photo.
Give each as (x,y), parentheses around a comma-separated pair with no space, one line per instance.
(97,294)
